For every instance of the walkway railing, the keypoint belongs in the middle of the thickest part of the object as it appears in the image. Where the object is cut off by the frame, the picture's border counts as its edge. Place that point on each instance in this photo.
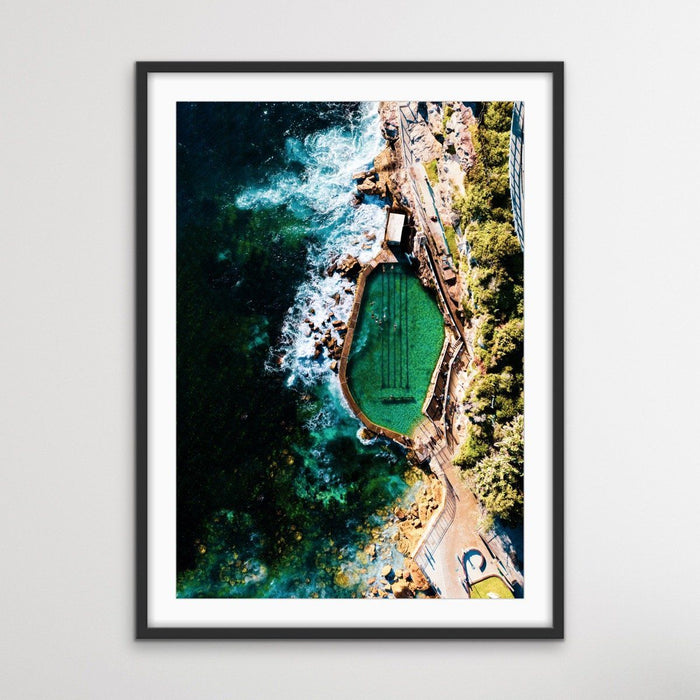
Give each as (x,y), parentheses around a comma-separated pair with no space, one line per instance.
(423,556)
(515,169)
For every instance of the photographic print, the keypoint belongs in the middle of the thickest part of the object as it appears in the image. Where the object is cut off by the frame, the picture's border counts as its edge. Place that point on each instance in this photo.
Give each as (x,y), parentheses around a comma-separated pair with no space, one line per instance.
(349,330)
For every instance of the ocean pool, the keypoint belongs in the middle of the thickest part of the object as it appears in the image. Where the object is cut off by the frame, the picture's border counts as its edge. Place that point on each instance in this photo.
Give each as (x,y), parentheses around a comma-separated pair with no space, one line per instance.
(396,345)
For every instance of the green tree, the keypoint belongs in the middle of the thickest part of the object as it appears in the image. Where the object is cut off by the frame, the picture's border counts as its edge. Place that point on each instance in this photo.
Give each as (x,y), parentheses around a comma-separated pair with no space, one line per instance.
(498,477)
(492,454)
(508,339)
(497,116)
(492,243)
(475,448)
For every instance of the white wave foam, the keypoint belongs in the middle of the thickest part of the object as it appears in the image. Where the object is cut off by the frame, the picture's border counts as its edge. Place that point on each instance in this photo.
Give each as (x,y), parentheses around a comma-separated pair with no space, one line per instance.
(375,439)
(321,195)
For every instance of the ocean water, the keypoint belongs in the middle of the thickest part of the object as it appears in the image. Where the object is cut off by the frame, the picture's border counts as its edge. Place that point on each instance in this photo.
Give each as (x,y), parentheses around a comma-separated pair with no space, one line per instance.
(278,493)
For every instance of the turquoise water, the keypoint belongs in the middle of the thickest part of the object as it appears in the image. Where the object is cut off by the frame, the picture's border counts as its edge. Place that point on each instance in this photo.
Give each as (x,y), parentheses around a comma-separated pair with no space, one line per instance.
(397,343)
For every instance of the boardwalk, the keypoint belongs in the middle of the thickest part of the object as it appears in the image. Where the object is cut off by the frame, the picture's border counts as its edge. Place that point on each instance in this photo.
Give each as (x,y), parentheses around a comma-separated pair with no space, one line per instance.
(438,559)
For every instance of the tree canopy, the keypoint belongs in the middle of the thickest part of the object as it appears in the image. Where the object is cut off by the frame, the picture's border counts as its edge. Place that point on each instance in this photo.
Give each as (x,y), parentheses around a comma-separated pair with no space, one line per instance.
(492,455)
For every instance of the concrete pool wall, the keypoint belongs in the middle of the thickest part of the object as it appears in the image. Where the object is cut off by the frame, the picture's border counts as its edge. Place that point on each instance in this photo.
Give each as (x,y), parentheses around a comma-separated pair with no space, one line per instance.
(395,335)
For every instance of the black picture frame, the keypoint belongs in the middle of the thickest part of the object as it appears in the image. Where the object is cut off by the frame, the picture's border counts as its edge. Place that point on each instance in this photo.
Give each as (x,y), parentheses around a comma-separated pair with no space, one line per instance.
(142,628)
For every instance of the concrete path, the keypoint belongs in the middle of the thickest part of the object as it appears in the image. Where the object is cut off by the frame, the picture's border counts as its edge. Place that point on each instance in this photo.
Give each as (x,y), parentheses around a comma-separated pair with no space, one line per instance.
(447,573)
(440,562)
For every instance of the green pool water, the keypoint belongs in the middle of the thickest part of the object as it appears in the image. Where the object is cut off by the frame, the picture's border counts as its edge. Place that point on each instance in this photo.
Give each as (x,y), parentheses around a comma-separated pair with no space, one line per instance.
(396,345)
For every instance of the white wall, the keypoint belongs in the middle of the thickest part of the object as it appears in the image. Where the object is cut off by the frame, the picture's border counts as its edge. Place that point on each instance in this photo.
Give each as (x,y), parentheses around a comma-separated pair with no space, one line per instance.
(66,284)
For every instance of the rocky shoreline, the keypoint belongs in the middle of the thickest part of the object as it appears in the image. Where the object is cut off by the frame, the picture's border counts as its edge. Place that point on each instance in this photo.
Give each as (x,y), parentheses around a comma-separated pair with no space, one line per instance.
(411,524)
(329,332)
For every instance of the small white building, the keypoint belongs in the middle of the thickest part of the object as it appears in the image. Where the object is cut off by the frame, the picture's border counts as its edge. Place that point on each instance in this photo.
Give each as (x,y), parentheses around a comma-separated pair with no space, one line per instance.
(394,229)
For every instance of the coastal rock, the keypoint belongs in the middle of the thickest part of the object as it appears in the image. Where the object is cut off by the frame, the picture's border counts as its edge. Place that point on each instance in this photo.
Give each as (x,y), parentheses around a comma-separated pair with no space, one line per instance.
(401,590)
(404,547)
(368,186)
(367,434)
(334,366)
(400,513)
(414,458)
(391,133)
(349,267)
(386,165)
(418,580)
(424,144)
(389,119)
(388,572)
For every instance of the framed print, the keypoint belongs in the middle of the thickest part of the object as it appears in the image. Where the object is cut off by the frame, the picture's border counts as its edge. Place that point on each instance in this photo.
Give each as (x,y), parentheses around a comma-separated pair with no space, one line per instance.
(350,350)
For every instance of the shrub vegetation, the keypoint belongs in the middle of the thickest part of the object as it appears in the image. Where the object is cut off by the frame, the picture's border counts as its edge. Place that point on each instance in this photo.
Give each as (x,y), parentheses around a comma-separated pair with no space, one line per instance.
(492,455)
(431,170)
(451,237)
